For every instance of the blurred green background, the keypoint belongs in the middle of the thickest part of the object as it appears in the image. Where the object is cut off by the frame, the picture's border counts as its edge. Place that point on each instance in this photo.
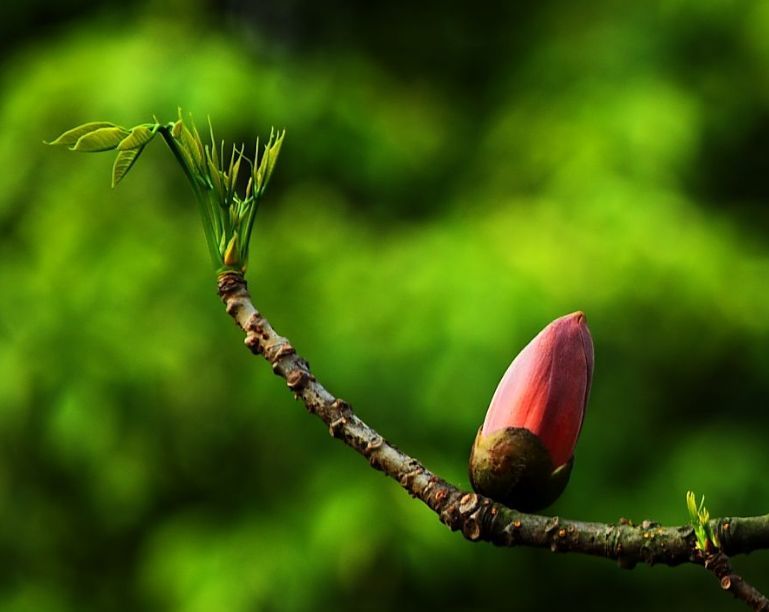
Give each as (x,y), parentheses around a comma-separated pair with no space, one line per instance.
(454,177)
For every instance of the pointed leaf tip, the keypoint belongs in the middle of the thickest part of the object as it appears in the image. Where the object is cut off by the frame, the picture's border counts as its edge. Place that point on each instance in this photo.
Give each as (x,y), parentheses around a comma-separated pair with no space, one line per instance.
(123,163)
(70,137)
(231,257)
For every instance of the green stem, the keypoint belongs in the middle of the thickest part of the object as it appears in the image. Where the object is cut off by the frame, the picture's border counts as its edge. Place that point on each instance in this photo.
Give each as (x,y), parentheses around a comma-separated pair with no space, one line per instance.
(250,226)
(208,222)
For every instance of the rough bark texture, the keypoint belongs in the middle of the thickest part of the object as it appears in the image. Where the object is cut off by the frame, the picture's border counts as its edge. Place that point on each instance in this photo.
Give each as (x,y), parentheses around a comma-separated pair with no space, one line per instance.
(718,563)
(478,517)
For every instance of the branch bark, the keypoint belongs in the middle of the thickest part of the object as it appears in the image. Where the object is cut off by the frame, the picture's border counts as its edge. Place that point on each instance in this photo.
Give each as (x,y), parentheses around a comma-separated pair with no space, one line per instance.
(478,517)
(718,563)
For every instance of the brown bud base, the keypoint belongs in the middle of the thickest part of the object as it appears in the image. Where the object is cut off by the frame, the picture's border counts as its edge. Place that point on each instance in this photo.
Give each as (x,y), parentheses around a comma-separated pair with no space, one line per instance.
(513,467)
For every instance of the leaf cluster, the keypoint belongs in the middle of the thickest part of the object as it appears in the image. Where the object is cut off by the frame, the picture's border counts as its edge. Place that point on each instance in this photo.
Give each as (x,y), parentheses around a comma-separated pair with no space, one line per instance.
(699,517)
(100,136)
(228,217)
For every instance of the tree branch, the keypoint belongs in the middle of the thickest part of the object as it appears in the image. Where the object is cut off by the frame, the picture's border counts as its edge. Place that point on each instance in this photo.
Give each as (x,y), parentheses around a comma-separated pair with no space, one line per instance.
(718,563)
(478,517)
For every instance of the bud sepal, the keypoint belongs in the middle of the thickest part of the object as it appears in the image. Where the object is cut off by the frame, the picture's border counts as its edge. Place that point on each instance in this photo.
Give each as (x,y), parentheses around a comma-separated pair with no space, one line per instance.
(513,467)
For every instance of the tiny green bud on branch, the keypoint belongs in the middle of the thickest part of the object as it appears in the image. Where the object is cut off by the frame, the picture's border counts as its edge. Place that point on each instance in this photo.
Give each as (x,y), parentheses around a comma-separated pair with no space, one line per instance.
(699,517)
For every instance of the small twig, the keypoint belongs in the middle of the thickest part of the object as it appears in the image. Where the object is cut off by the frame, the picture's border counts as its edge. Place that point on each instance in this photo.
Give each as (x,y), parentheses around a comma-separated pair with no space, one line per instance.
(718,563)
(478,517)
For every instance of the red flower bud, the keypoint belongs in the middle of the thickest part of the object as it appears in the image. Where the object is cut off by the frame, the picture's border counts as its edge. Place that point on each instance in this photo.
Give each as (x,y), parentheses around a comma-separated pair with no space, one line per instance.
(523,453)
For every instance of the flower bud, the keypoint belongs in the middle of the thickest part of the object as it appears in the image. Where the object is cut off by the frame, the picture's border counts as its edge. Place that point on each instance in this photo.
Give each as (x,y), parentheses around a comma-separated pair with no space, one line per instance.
(523,453)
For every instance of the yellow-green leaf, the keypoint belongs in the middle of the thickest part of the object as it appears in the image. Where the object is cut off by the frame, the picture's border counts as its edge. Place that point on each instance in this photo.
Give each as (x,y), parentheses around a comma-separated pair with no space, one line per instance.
(235,168)
(123,163)
(70,137)
(213,156)
(272,156)
(139,136)
(216,180)
(102,139)
(194,147)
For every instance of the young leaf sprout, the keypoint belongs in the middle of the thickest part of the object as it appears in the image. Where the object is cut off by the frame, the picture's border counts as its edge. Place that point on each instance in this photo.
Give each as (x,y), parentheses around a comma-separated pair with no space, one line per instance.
(228,216)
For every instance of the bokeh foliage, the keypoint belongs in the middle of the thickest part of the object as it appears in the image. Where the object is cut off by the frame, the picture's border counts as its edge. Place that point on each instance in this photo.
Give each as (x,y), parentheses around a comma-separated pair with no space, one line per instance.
(442,194)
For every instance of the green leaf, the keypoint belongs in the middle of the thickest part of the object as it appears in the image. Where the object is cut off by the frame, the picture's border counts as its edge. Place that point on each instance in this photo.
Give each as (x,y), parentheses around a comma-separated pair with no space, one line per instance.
(699,517)
(216,180)
(197,138)
(70,137)
(102,139)
(190,143)
(272,158)
(123,163)
(235,167)
(139,136)
(194,147)
(691,505)
(267,163)
(260,169)
(213,156)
